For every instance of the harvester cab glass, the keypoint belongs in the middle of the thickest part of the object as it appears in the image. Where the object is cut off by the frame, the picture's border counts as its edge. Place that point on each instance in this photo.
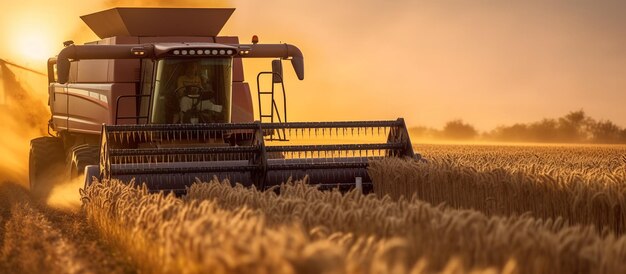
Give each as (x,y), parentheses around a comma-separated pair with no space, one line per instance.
(192,90)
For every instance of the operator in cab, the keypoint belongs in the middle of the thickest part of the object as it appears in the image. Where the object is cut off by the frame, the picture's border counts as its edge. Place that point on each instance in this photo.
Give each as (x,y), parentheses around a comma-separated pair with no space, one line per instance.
(195,92)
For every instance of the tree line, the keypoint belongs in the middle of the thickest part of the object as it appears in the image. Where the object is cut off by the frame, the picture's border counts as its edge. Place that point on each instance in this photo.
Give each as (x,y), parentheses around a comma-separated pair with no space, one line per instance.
(575,127)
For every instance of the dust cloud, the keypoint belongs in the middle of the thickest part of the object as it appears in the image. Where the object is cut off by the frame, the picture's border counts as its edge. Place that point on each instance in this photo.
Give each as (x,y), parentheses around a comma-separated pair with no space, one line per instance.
(65,196)
(24,116)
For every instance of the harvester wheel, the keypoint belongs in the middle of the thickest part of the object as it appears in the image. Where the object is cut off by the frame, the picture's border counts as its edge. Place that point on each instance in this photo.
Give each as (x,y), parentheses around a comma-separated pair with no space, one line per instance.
(80,157)
(45,164)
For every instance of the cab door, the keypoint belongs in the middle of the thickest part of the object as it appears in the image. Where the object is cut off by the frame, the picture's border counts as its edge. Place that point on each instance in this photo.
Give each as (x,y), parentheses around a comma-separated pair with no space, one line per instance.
(57,99)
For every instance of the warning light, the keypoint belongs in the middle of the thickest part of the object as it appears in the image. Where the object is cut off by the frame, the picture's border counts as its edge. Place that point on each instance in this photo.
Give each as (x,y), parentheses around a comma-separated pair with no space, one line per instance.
(138,51)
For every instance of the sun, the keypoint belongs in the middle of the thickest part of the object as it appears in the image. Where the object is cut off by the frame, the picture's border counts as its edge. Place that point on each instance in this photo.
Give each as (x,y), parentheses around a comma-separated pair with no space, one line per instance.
(33,44)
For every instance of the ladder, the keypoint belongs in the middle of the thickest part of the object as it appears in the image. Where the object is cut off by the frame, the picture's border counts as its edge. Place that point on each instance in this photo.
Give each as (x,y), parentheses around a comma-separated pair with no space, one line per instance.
(274,114)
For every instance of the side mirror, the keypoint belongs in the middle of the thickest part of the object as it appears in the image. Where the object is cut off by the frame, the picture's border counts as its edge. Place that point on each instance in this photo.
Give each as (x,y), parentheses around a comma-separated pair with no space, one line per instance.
(277,71)
(52,62)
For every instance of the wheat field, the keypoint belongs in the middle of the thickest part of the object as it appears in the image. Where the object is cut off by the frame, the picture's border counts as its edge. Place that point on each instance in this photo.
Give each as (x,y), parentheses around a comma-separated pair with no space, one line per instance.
(470,209)
(581,184)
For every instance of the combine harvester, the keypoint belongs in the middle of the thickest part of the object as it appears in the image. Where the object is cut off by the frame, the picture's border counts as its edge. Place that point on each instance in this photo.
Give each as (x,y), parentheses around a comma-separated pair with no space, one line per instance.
(162,99)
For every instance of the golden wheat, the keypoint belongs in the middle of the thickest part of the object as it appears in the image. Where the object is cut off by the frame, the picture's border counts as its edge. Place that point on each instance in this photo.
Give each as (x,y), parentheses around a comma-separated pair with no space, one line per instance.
(218,228)
(582,184)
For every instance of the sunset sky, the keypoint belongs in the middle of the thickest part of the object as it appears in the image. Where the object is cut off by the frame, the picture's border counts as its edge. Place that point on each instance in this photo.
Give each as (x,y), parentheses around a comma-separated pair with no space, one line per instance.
(487,62)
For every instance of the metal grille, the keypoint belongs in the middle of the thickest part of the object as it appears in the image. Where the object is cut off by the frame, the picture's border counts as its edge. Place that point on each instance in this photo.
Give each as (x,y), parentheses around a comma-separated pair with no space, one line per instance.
(171,156)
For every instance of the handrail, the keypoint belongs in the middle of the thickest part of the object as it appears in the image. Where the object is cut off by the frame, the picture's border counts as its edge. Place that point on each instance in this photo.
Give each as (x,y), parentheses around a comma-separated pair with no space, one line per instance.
(273,106)
(117,109)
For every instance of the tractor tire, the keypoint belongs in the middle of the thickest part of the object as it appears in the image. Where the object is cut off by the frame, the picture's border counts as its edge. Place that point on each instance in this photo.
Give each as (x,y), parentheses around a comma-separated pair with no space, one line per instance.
(79,157)
(45,164)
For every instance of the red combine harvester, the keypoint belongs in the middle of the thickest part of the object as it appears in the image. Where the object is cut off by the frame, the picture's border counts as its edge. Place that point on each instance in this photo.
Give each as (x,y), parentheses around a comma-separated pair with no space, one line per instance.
(162,98)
